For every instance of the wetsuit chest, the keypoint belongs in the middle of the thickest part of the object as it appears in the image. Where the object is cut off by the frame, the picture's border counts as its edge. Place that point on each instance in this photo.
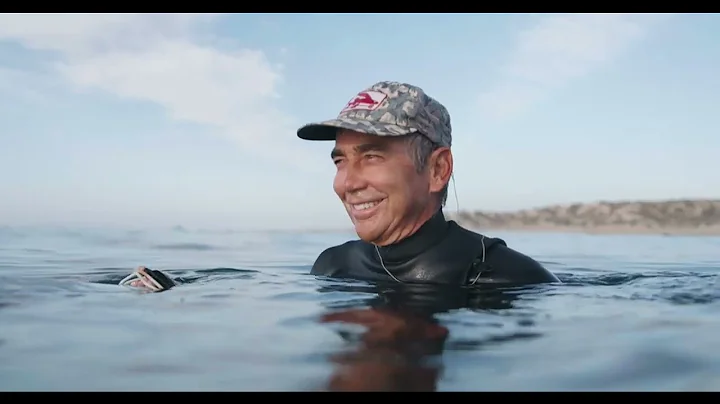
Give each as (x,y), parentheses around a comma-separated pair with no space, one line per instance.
(439,253)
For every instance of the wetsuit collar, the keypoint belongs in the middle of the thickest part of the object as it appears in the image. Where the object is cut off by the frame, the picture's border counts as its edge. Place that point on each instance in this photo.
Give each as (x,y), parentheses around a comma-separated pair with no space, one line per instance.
(427,235)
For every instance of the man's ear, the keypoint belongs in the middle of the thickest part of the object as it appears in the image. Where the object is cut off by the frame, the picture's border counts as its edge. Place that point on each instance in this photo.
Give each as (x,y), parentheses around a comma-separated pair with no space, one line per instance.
(441,168)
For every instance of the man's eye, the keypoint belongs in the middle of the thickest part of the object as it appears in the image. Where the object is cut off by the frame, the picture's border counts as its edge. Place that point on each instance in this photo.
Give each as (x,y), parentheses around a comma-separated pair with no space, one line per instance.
(372,156)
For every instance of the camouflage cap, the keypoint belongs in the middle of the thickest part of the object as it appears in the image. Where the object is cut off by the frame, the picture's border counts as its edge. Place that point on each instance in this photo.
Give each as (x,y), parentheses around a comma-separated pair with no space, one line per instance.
(387,108)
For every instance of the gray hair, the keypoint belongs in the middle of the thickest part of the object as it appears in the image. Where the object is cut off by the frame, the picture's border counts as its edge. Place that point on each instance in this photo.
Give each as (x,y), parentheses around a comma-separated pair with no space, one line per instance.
(420,148)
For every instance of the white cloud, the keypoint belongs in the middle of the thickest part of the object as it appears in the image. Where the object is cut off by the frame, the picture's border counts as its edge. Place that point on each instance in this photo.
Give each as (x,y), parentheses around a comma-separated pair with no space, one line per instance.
(557,50)
(79,35)
(160,58)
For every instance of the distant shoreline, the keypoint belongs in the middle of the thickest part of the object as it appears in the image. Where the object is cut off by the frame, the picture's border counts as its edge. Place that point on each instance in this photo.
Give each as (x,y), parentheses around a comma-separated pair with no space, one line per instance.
(698,217)
(602,230)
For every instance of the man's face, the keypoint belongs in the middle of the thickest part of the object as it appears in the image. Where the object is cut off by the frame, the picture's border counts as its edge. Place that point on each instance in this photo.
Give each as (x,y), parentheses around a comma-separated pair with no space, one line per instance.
(379,185)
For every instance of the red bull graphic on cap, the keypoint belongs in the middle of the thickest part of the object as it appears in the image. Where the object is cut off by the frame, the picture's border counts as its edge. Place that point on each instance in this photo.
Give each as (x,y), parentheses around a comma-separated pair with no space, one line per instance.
(366,100)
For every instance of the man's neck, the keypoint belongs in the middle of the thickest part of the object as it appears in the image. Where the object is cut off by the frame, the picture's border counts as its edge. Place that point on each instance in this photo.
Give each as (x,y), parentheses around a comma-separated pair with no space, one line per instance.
(408,231)
(426,235)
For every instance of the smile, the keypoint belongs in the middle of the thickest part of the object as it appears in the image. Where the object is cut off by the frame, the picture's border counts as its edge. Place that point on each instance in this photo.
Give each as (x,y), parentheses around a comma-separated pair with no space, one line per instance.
(364,210)
(365,205)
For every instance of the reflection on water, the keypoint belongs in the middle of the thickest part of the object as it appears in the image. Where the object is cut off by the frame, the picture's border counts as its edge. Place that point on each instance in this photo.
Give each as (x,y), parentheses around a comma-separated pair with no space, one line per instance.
(400,343)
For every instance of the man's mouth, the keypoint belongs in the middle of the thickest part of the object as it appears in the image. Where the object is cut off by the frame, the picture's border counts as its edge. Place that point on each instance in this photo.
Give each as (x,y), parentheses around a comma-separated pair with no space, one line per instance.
(365,205)
(365,210)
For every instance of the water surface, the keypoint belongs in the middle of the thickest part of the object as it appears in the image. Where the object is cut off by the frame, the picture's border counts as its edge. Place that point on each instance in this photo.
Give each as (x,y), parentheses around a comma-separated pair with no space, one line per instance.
(634,313)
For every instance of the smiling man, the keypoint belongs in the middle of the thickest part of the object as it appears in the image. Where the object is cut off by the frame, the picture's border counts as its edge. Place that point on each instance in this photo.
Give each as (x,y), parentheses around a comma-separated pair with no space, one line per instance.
(394,161)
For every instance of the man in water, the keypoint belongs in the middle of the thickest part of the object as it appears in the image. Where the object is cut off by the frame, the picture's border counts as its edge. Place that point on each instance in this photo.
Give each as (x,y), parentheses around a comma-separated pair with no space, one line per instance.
(394,161)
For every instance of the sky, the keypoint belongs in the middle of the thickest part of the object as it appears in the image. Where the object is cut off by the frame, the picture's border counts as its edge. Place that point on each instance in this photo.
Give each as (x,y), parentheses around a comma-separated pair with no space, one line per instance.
(191,119)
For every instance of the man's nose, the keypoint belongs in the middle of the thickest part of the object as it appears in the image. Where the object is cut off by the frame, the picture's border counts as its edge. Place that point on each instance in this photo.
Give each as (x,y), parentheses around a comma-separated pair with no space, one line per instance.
(354,180)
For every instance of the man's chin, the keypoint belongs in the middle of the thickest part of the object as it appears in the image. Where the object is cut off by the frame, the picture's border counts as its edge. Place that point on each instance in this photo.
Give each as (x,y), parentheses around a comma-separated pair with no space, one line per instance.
(367,231)
(371,227)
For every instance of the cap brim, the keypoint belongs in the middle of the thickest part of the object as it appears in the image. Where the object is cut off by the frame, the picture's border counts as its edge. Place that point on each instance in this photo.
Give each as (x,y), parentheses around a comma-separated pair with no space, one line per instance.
(328,130)
(321,131)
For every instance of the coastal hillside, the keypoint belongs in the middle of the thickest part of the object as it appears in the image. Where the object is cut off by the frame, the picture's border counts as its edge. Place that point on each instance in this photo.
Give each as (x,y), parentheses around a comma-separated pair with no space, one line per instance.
(669,217)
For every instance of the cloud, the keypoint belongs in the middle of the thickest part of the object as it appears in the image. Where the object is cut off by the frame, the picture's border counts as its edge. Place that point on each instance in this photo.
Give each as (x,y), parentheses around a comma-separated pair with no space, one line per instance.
(77,35)
(166,59)
(559,49)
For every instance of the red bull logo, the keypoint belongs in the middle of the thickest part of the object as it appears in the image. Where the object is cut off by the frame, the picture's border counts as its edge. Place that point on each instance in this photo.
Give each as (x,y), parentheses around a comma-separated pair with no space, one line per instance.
(366,100)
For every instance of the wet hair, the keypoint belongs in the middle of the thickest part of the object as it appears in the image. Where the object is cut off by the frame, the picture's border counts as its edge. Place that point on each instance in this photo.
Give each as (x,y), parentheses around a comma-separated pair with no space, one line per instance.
(420,148)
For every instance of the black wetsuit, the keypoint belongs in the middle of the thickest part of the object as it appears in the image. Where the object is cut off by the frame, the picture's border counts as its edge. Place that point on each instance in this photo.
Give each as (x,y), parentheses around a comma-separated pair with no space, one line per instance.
(440,252)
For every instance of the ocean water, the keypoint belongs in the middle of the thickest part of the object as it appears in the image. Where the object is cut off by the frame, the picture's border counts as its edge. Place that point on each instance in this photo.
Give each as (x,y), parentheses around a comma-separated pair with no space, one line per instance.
(633,313)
